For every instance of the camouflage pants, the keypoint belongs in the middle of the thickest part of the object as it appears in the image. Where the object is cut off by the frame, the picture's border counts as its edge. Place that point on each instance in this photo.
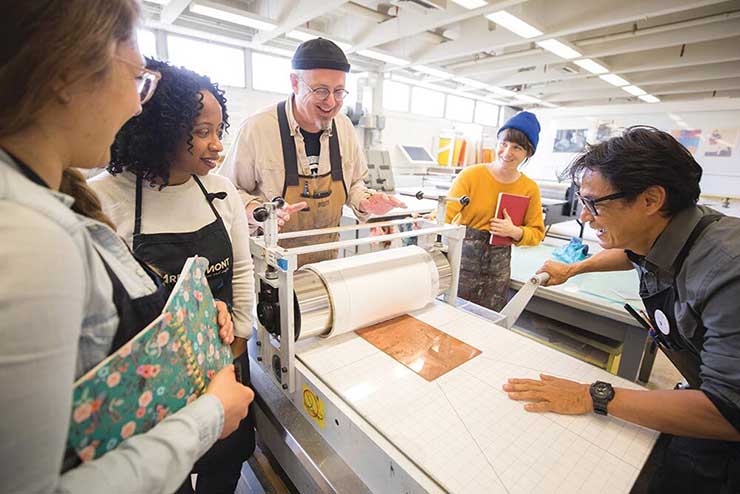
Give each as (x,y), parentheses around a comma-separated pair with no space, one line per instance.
(484,271)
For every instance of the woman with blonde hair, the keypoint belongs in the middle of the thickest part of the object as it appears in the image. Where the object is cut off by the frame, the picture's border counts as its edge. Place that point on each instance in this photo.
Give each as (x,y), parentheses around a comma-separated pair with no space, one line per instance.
(70,76)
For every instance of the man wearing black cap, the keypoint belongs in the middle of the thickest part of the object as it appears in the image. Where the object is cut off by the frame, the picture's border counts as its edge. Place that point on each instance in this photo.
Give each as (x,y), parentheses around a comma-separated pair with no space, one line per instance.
(305,151)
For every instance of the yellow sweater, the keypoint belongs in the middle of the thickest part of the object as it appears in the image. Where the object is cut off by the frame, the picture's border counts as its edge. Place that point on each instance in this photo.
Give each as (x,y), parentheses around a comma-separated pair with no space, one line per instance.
(483,189)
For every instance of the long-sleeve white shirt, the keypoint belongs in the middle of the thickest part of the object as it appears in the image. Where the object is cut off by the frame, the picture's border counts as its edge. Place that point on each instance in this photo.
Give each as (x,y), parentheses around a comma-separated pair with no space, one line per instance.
(183,208)
(254,163)
(57,320)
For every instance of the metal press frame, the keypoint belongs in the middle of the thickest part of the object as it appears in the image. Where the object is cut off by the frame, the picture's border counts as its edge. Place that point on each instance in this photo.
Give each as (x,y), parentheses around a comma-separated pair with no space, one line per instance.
(276,266)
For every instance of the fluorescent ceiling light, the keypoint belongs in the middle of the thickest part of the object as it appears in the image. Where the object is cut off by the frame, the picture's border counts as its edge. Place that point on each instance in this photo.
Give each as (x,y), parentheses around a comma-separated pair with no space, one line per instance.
(500,91)
(439,74)
(383,57)
(548,104)
(303,36)
(514,24)
(231,17)
(634,90)
(614,80)
(471,82)
(444,89)
(649,98)
(559,49)
(591,66)
(471,4)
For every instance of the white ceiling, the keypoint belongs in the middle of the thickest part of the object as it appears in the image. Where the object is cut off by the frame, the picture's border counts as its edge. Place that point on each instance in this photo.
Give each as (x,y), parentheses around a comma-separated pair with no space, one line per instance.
(676,50)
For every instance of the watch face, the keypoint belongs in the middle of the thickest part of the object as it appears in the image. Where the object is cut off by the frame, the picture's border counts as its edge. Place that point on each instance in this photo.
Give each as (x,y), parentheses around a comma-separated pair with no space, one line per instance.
(601,390)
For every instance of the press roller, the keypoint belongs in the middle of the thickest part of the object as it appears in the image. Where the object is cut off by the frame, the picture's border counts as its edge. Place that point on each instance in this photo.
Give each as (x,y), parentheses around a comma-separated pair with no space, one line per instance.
(314,306)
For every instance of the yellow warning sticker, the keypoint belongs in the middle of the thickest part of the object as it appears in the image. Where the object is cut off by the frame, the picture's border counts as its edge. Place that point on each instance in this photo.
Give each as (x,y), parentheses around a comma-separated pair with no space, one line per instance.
(314,406)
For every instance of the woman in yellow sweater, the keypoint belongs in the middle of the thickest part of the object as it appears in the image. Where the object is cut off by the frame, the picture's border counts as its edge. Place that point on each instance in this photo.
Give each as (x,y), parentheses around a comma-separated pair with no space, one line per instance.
(485,269)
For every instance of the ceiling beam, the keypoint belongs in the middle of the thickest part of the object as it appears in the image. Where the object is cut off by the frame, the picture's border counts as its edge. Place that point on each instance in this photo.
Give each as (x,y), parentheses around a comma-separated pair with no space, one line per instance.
(691,80)
(302,12)
(717,51)
(710,52)
(411,23)
(642,41)
(651,41)
(557,20)
(695,87)
(171,11)
(688,74)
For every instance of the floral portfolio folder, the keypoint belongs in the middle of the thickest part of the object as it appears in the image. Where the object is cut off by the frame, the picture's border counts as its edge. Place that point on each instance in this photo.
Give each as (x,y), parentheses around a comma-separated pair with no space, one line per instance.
(163,368)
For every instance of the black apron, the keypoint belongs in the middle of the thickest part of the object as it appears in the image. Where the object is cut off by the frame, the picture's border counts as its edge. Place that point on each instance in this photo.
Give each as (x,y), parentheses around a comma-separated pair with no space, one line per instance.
(686,464)
(166,254)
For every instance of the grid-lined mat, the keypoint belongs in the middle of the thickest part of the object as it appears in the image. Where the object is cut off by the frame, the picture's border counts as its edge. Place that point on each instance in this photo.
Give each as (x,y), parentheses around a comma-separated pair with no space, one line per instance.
(462,429)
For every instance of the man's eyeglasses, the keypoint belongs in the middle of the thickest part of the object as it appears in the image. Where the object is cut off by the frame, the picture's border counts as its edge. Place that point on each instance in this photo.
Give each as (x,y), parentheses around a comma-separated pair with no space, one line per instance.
(323,93)
(590,204)
(146,81)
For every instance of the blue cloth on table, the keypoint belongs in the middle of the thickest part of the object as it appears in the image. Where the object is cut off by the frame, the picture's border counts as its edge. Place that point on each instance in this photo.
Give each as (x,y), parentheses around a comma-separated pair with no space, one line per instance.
(574,251)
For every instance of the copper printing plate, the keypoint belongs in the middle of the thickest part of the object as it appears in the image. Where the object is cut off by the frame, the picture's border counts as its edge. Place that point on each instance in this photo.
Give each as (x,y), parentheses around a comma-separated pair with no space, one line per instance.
(422,348)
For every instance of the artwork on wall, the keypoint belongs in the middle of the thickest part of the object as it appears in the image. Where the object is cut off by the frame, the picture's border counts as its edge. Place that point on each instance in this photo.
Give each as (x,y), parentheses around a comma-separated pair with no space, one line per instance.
(604,130)
(689,138)
(570,140)
(720,142)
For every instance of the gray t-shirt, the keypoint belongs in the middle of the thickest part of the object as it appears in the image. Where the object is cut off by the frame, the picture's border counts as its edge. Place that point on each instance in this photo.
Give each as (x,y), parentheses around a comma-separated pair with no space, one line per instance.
(708,294)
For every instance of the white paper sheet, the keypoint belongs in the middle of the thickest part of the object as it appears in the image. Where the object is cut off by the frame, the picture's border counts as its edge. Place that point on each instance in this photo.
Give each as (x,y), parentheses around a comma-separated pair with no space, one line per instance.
(374,287)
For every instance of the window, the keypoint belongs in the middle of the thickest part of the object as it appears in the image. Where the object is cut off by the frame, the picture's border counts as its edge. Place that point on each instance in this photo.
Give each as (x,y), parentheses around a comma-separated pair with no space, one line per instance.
(222,64)
(395,96)
(147,42)
(271,73)
(460,109)
(486,114)
(350,84)
(427,102)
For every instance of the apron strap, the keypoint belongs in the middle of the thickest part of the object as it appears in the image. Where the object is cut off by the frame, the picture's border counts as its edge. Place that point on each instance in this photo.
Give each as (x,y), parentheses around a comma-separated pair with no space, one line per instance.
(137,208)
(704,222)
(27,171)
(336,157)
(210,196)
(290,157)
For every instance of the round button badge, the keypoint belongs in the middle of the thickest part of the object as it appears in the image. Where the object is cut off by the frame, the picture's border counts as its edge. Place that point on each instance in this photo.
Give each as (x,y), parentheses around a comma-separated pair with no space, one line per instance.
(662,321)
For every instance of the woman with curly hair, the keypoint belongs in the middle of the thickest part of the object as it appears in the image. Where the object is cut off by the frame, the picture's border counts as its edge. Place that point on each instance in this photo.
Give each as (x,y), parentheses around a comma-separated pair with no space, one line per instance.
(167,206)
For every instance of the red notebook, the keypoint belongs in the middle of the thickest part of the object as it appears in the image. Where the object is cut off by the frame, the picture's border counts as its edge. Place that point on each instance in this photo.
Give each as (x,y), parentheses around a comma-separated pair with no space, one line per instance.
(516,206)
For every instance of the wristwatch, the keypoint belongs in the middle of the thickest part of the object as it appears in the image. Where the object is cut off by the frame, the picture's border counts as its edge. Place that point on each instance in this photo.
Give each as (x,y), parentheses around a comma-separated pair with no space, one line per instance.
(601,394)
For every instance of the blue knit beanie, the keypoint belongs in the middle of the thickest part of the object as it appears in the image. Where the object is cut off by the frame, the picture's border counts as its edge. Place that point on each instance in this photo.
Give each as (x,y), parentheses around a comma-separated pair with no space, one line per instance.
(526,122)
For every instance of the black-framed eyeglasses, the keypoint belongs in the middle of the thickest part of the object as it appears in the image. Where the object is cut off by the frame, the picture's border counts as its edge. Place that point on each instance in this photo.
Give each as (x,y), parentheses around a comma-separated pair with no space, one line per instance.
(590,204)
(323,93)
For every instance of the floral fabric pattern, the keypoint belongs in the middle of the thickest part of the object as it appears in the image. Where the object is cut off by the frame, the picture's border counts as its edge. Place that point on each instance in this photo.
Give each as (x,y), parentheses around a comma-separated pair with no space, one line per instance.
(166,366)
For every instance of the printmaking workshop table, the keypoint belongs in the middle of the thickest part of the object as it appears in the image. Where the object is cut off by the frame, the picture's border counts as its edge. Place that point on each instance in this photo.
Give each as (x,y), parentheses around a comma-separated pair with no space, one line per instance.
(593,302)
(382,428)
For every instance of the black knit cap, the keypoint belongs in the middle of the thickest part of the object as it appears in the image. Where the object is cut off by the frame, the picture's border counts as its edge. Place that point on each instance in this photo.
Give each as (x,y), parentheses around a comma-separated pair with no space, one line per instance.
(320,53)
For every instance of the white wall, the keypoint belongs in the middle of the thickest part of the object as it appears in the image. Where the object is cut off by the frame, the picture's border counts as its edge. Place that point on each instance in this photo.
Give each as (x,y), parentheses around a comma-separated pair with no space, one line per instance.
(241,103)
(721,175)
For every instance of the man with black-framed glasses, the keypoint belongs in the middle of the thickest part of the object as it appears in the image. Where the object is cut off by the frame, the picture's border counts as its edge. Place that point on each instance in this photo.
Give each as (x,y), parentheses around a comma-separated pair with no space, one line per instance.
(640,193)
(306,151)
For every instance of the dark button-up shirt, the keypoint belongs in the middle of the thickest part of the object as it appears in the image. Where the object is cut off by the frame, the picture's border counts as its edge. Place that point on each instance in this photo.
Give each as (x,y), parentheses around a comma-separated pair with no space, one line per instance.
(708,286)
